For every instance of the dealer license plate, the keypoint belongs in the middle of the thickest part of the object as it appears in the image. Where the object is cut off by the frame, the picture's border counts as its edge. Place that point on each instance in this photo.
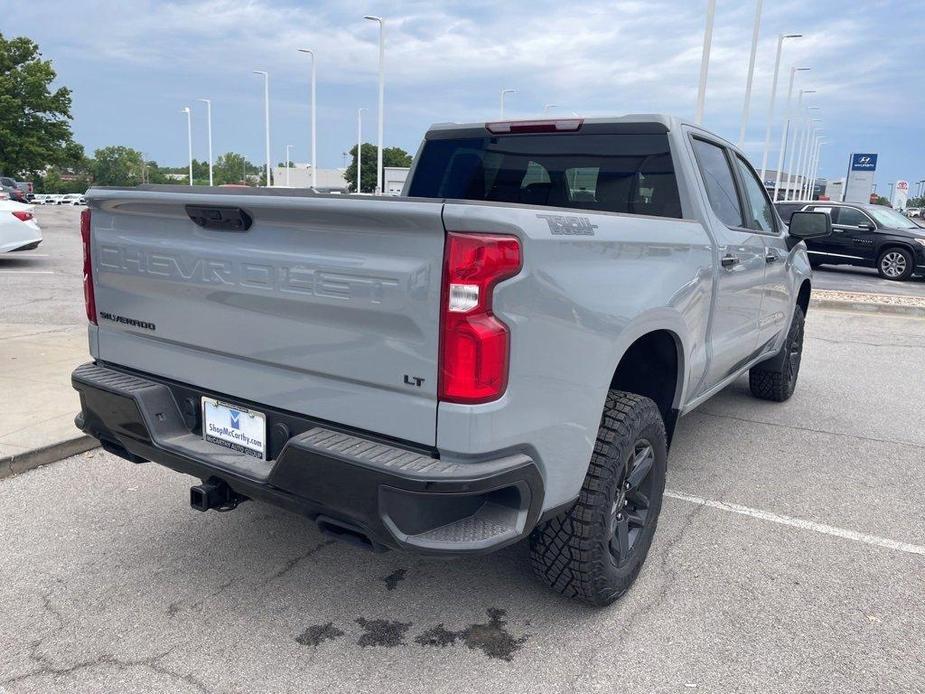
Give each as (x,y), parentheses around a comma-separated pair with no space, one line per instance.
(234,427)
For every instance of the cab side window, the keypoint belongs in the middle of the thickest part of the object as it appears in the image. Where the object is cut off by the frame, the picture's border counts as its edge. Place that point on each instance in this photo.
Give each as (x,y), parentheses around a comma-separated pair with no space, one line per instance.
(850,217)
(719,182)
(758,213)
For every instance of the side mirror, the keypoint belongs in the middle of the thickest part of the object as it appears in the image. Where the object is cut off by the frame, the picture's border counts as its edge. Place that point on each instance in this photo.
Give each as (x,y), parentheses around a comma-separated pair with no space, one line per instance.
(809,225)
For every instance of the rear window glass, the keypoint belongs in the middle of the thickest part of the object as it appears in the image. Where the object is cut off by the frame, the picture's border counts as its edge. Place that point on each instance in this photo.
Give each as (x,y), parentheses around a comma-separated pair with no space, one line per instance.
(631,173)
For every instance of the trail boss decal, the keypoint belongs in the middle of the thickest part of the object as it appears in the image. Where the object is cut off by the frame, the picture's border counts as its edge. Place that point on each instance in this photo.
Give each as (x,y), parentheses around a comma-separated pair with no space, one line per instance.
(568,225)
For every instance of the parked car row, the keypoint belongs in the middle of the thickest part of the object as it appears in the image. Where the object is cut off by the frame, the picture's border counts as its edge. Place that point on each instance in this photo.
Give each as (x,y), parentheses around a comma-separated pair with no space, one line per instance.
(866,236)
(59,199)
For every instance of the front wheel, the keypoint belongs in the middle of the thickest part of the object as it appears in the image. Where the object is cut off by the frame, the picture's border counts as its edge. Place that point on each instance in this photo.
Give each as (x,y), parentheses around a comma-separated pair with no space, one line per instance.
(594,551)
(776,378)
(895,264)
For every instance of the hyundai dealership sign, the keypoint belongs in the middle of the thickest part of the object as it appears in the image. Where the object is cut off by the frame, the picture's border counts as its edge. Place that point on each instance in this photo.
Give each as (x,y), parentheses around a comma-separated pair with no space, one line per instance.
(863,162)
(860,181)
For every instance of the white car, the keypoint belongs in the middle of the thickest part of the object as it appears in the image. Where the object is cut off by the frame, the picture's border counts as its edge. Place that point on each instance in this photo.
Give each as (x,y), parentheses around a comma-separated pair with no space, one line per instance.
(18,229)
(72,199)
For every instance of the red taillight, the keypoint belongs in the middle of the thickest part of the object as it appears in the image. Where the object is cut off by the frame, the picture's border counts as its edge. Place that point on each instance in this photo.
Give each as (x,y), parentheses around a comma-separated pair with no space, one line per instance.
(474,344)
(89,298)
(535,126)
(23,216)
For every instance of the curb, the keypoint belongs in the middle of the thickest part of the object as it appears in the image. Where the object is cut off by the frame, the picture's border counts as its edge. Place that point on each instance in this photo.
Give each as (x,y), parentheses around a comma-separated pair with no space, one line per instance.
(864,307)
(12,465)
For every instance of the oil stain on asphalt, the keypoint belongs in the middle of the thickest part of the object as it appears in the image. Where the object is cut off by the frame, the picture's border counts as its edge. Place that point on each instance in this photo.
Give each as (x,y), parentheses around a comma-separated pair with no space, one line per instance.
(391,581)
(318,633)
(382,632)
(491,637)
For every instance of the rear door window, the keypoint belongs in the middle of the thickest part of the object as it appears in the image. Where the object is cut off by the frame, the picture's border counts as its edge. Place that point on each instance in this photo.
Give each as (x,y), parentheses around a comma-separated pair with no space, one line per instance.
(608,172)
(850,217)
(719,182)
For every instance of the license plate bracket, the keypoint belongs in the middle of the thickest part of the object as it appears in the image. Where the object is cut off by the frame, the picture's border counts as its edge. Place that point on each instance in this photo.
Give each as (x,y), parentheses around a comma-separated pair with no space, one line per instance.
(237,428)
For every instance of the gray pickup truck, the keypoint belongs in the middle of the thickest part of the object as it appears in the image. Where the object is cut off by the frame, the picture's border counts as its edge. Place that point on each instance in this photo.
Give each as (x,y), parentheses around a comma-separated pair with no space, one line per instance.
(500,353)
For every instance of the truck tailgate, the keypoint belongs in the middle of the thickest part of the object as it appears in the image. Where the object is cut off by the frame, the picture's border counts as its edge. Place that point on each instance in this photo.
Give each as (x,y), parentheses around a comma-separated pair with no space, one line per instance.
(325,306)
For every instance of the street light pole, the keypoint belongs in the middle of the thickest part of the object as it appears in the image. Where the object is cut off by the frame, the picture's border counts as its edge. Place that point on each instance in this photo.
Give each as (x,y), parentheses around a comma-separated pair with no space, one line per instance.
(705,61)
(803,167)
(786,130)
(266,110)
(288,159)
(751,71)
(767,133)
(208,103)
(189,139)
(819,147)
(359,146)
(503,92)
(381,96)
(314,162)
(802,129)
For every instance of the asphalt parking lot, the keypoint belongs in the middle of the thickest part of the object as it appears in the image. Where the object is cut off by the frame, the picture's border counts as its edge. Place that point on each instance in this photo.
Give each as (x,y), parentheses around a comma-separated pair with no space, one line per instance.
(789,558)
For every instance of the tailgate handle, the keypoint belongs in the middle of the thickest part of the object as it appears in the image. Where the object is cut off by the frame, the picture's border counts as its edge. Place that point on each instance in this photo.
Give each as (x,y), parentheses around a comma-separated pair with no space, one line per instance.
(219,218)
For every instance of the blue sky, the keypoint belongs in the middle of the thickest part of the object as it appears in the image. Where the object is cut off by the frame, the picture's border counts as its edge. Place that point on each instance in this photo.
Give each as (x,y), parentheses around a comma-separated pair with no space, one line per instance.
(133,64)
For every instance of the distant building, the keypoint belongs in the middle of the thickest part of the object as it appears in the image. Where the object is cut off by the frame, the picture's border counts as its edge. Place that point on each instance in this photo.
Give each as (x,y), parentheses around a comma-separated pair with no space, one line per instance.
(393,179)
(788,190)
(300,176)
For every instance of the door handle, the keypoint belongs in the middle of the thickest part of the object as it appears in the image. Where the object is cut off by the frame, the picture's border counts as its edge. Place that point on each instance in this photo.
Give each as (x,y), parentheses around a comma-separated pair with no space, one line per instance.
(770,257)
(729,260)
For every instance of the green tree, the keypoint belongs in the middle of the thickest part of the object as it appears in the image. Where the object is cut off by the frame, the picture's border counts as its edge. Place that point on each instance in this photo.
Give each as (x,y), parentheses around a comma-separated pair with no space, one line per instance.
(391,156)
(232,167)
(882,201)
(34,121)
(117,166)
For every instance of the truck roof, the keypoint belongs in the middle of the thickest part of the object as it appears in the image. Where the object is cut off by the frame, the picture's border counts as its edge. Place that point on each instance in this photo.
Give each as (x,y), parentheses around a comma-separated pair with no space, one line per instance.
(649,122)
(664,122)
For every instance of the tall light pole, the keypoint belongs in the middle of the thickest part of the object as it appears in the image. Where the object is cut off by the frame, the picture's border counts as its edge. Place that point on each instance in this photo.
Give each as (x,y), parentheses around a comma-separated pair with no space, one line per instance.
(503,93)
(208,103)
(189,139)
(288,159)
(767,133)
(705,61)
(812,182)
(785,131)
(266,112)
(381,22)
(548,107)
(359,146)
(808,163)
(812,133)
(751,71)
(802,128)
(314,162)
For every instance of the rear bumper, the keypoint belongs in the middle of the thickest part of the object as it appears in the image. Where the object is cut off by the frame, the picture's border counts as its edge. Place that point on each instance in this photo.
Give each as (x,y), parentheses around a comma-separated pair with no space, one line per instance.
(385,493)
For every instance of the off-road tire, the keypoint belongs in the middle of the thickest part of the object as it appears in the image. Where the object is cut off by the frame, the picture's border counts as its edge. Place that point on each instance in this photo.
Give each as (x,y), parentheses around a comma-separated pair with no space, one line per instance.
(572,552)
(888,270)
(776,378)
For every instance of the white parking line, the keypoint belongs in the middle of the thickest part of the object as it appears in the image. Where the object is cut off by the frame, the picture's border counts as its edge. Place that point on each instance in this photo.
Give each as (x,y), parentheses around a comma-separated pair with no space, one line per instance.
(799,523)
(27,272)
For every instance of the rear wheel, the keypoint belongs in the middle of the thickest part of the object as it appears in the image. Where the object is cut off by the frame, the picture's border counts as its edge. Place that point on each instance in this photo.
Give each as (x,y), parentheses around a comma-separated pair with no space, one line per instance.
(776,378)
(595,550)
(895,264)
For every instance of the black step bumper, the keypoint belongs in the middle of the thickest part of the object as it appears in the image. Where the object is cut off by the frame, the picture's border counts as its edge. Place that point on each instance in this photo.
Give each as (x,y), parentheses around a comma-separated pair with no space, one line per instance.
(388,494)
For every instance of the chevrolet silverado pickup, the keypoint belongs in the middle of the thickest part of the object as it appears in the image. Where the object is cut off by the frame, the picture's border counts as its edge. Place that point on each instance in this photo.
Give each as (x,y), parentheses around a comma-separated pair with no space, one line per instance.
(499,354)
